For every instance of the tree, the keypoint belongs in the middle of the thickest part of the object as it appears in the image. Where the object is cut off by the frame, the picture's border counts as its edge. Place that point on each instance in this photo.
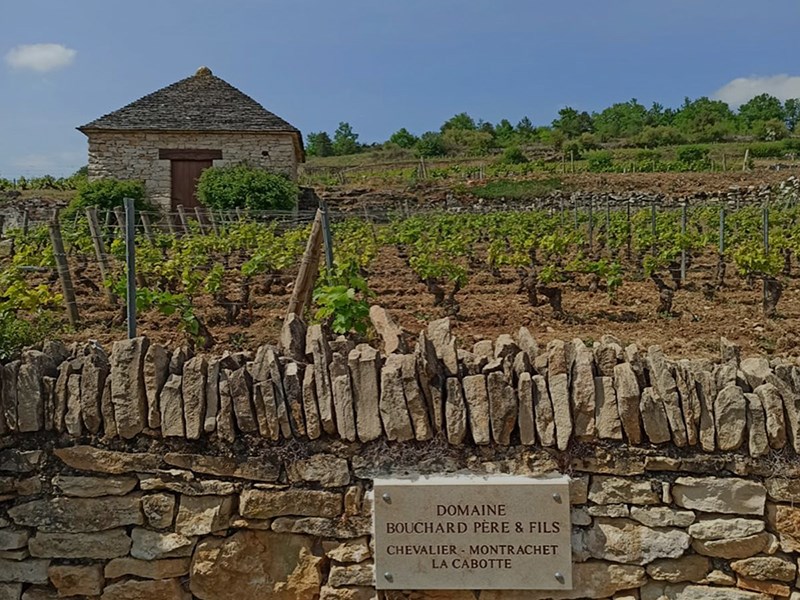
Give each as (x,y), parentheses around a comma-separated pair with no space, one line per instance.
(763,107)
(525,129)
(573,123)
(319,144)
(345,140)
(459,121)
(403,138)
(504,133)
(791,110)
(704,117)
(430,144)
(621,120)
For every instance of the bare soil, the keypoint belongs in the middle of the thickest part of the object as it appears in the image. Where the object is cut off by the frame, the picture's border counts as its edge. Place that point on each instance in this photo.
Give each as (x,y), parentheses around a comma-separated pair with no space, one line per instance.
(489,306)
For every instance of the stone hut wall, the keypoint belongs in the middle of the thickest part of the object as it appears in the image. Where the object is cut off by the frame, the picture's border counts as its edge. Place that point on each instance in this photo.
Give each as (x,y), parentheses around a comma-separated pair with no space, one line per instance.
(155,473)
(134,155)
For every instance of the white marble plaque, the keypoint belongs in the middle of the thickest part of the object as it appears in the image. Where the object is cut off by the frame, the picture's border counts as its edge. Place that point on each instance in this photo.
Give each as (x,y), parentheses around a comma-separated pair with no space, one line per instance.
(470,532)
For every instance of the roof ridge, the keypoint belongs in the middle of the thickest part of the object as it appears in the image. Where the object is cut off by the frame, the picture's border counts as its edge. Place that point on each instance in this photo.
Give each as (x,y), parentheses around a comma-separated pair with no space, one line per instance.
(200,102)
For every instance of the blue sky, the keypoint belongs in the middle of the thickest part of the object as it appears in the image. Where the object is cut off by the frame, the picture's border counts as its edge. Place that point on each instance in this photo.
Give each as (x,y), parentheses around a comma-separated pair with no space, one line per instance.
(378,64)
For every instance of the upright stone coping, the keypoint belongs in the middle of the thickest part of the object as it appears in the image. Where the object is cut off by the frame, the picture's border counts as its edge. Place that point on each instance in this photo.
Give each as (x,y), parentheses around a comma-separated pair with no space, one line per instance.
(508,391)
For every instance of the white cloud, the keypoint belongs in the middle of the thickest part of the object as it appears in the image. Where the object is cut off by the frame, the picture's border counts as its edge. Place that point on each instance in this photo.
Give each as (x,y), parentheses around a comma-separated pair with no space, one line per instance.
(740,90)
(40,57)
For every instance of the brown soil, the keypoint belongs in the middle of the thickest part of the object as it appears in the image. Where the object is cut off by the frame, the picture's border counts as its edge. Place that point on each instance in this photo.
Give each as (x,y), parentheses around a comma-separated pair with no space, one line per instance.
(489,307)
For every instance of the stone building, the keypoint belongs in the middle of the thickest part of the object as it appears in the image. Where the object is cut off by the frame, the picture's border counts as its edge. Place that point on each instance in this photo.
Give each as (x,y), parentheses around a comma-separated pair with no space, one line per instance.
(168,138)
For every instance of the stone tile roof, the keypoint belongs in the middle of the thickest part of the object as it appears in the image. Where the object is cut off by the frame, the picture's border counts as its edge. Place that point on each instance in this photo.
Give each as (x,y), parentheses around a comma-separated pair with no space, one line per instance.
(202,102)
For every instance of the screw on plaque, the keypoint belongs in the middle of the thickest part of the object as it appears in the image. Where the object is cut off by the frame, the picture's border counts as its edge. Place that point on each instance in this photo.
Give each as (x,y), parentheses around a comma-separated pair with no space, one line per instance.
(559,577)
(557,497)
(388,576)
(387,498)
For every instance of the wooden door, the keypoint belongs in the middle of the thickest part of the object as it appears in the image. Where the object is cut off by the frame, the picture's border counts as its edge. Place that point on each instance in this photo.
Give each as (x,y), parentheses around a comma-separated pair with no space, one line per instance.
(184,181)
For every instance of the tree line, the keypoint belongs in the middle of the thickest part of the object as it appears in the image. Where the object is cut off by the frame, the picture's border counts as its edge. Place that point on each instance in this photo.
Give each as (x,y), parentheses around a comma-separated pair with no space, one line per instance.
(764,117)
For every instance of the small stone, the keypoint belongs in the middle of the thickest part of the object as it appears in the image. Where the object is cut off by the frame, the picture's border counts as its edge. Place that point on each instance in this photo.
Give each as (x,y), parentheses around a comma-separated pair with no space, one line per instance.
(525,416)
(326,469)
(785,521)
(127,386)
(662,516)
(74,580)
(352,551)
(609,510)
(772,402)
(502,407)
(730,417)
(765,587)
(607,417)
(654,417)
(155,373)
(26,571)
(87,458)
(757,442)
(147,569)
(362,574)
(583,391)
(353,527)
(392,405)
(252,468)
(720,495)
(105,544)
(477,400)
(558,386)
(92,487)
(766,567)
(624,541)
(163,589)
(455,412)
(667,389)
(445,345)
(387,329)
(78,515)
(365,367)
(732,548)
(184,482)
(195,372)
(201,515)
(725,528)
(756,371)
(10,591)
(675,570)
(12,539)
(151,545)
(293,338)
(343,398)
(158,509)
(263,504)
(543,412)
(614,490)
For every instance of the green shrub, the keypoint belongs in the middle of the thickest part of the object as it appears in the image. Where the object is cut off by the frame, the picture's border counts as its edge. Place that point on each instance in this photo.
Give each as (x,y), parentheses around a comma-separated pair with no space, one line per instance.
(513,156)
(242,186)
(692,154)
(17,333)
(662,135)
(600,161)
(768,149)
(430,144)
(106,194)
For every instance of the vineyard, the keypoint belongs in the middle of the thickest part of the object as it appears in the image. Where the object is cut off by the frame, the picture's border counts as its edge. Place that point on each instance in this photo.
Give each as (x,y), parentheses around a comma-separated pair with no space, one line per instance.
(680,274)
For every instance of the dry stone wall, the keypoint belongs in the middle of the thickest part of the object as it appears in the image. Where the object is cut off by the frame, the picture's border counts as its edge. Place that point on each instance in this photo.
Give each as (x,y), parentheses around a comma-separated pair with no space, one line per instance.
(134,155)
(145,472)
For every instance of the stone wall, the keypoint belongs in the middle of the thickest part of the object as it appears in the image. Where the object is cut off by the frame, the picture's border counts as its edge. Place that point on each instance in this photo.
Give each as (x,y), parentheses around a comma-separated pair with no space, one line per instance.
(148,472)
(134,155)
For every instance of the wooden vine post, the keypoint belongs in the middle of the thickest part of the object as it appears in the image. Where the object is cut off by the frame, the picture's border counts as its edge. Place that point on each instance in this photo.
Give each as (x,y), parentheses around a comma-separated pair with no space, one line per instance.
(100,251)
(309,268)
(63,269)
